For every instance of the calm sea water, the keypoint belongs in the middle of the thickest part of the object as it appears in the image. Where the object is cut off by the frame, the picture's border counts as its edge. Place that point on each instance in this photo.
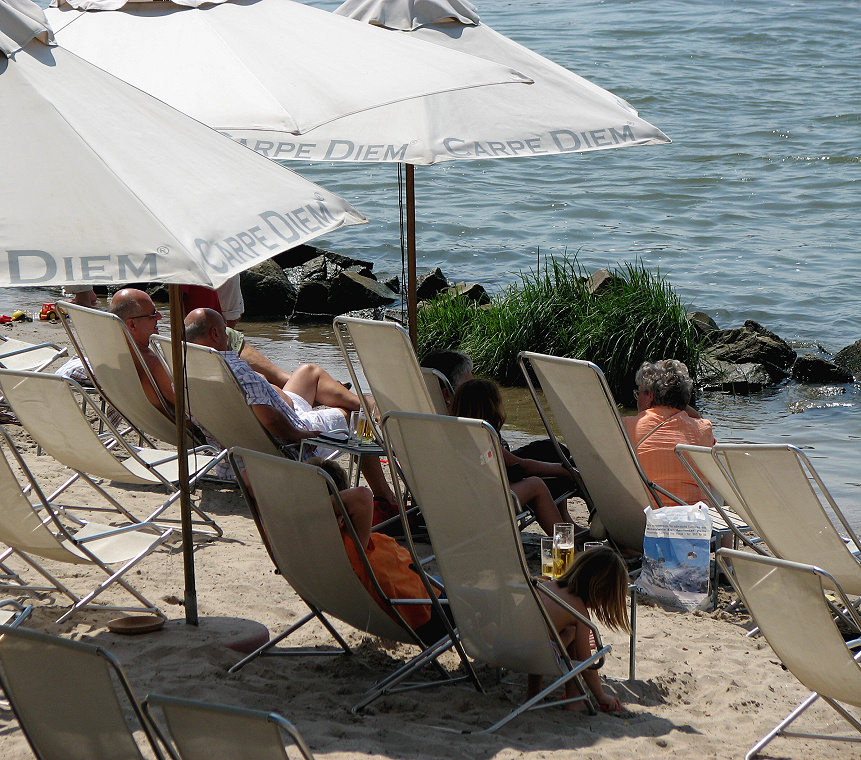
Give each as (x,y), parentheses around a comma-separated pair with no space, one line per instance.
(750,213)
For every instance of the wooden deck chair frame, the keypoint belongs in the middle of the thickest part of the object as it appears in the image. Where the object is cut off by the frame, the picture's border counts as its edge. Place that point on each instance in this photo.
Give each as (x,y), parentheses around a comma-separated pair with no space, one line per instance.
(38,531)
(28,357)
(109,357)
(472,561)
(292,506)
(50,409)
(65,696)
(779,594)
(201,730)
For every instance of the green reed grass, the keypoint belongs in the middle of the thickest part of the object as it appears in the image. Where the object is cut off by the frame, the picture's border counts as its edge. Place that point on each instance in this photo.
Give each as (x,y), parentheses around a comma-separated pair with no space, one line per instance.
(636,318)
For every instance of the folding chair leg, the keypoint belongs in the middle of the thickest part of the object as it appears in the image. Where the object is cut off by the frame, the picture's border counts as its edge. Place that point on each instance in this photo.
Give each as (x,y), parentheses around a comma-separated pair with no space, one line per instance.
(778,729)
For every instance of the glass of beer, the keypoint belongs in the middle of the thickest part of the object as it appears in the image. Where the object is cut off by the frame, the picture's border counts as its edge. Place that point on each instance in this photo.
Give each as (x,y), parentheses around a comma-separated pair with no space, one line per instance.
(563,548)
(547,556)
(361,428)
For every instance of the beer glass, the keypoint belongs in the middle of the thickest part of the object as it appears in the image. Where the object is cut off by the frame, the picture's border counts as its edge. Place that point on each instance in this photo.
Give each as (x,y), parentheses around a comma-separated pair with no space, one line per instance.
(563,548)
(547,556)
(361,429)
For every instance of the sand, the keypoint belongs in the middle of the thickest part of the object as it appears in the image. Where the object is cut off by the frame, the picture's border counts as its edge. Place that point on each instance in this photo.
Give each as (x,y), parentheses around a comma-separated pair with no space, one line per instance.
(702,689)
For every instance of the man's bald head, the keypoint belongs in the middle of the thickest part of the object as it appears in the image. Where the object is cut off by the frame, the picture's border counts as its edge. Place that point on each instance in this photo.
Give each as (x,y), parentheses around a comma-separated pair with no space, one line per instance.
(206,328)
(129,303)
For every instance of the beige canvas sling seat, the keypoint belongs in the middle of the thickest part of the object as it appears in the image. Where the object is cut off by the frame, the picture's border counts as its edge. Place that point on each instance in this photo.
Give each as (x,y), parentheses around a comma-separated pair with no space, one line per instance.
(726,506)
(72,699)
(30,357)
(435,382)
(38,531)
(497,606)
(788,601)
(204,731)
(788,506)
(109,353)
(49,407)
(293,507)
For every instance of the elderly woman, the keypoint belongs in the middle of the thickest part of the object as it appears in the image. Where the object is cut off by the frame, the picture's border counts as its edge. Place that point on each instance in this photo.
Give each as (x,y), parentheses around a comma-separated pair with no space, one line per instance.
(666,418)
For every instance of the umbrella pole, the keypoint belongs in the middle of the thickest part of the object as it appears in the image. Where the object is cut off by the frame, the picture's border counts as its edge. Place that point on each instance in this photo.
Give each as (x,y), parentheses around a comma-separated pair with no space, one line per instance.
(412,299)
(177,333)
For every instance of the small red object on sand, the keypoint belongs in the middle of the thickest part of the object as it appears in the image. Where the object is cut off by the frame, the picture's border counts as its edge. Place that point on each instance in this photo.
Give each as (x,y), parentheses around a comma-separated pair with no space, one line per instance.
(4,319)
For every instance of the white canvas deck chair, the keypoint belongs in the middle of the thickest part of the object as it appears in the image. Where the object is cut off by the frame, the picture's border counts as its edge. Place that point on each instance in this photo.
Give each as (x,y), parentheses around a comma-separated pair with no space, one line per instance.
(38,531)
(787,601)
(292,507)
(454,467)
(28,357)
(435,382)
(727,507)
(786,503)
(102,339)
(580,402)
(49,407)
(65,697)
(203,731)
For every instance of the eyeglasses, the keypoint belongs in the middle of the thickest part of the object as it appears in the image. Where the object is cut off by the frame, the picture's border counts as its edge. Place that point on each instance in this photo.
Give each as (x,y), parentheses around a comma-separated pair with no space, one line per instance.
(155,315)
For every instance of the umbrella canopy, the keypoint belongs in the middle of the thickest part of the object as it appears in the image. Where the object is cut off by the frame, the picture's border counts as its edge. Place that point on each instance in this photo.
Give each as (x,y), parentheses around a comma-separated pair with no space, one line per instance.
(104,184)
(269,67)
(560,113)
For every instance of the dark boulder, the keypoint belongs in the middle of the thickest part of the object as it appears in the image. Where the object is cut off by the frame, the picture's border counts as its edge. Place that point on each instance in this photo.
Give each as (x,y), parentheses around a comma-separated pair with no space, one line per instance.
(849,358)
(350,291)
(814,369)
(312,302)
(472,292)
(741,379)
(297,256)
(599,281)
(393,284)
(703,323)
(752,344)
(430,284)
(267,292)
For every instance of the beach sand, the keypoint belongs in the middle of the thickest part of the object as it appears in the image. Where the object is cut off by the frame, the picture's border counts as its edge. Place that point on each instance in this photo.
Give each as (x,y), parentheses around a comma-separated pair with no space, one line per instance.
(702,688)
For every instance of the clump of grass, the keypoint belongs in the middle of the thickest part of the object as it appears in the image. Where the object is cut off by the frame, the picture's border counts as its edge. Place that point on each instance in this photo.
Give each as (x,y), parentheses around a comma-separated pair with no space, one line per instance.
(635,318)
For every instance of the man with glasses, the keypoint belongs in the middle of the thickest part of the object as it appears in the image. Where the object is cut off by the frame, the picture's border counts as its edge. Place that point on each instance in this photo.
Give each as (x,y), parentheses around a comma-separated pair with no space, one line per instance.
(141,317)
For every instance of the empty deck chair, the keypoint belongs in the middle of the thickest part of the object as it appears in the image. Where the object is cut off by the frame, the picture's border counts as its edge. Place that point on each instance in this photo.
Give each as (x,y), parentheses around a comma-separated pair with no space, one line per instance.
(203,731)
(292,507)
(64,696)
(580,402)
(28,357)
(49,408)
(728,509)
(454,467)
(785,501)
(110,354)
(787,601)
(38,531)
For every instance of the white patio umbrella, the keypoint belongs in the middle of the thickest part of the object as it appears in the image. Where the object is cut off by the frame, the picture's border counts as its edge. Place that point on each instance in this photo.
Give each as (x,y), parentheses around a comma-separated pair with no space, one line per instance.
(102,183)
(560,113)
(269,67)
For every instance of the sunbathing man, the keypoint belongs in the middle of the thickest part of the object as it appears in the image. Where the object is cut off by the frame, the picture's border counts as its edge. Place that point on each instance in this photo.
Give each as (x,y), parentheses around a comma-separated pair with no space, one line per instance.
(288,413)
(141,317)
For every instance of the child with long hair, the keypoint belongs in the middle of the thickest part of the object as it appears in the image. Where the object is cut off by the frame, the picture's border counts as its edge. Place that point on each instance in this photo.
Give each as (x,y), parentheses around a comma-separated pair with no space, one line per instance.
(596,582)
(481,399)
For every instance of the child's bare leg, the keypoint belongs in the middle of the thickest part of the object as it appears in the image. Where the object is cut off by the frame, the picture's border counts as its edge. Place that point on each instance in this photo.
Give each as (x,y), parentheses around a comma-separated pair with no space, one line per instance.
(534,491)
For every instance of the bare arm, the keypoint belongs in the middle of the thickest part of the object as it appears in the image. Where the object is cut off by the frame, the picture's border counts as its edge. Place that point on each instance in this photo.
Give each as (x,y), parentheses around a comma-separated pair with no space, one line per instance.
(534,467)
(278,424)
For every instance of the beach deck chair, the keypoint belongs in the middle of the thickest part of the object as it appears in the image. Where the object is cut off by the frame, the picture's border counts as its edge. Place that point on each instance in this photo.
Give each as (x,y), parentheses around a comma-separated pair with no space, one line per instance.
(203,731)
(109,352)
(787,601)
(580,402)
(38,531)
(435,382)
(49,407)
(28,357)
(71,699)
(292,506)
(497,606)
(786,503)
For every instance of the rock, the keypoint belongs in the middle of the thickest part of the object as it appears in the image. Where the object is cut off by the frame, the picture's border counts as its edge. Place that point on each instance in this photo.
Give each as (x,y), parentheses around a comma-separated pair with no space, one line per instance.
(742,379)
(599,281)
(703,323)
(752,344)
(312,302)
(430,285)
(393,284)
(350,291)
(267,292)
(811,368)
(472,292)
(362,270)
(850,358)
(315,269)
(297,256)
